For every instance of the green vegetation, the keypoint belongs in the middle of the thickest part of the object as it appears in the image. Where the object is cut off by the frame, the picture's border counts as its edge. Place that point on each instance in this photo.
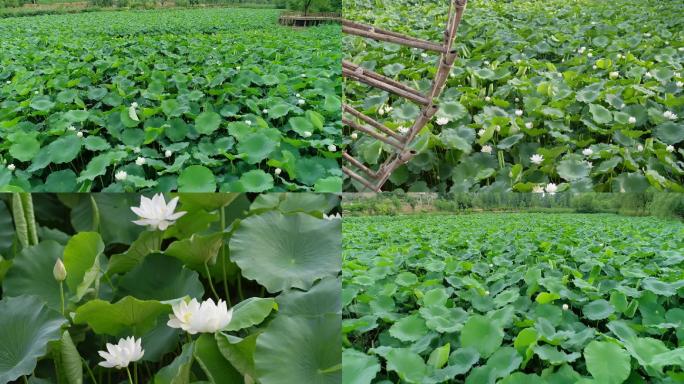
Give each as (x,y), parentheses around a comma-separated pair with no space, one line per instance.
(195,100)
(511,298)
(79,271)
(596,88)
(664,205)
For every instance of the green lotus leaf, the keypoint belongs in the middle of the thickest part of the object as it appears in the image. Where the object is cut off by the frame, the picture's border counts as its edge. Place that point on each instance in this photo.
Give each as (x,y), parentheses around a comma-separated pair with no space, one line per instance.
(26,328)
(482,334)
(670,132)
(600,114)
(311,352)
(358,368)
(598,310)
(300,250)
(161,278)
(409,328)
(573,169)
(410,367)
(81,256)
(178,372)
(239,351)
(196,178)
(31,274)
(214,365)
(207,122)
(607,362)
(250,312)
(128,316)
(256,181)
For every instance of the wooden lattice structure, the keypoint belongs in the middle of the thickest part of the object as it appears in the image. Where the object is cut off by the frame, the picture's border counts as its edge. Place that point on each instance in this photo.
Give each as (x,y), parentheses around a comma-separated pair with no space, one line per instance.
(374,179)
(298,19)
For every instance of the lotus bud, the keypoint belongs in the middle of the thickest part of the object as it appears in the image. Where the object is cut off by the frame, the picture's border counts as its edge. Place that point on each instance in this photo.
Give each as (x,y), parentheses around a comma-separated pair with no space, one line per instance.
(59,271)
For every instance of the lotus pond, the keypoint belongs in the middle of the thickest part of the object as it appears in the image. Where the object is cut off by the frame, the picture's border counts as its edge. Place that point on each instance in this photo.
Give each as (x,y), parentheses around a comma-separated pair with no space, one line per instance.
(192,100)
(513,298)
(594,89)
(201,288)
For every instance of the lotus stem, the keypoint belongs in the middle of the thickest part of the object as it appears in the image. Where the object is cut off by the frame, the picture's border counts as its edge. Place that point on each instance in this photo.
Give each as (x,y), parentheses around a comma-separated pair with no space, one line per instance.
(222,212)
(90,372)
(130,379)
(211,283)
(61,295)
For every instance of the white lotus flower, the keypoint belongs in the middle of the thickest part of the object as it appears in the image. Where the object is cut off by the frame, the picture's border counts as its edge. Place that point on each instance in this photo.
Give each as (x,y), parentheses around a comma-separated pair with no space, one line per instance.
(132,113)
(11,167)
(481,132)
(590,54)
(587,152)
(332,148)
(593,67)
(565,307)
(442,121)
(518,112)
(551,188)
(538,189)
(59,271)
(486,62)
(248,122)
(79,134)
(403,130)
(207,317)
(301,101)
(517,99)
(306,134)
(670,115)
(581,50)
(537,159)
(423,54)
(278,171)
(486,148)
(136,150)
(303,75)
(297,95)
(140,161)
(168,153)
(354,135)
(381,111)
(670,148)
(632,120)
(237,68)
(488,99)
(336,216)
(156,213)
(614,75)
(680,49)
(121,175)
(265,111)
(125,352)
(680,84)
(497,128)
(486,293)
(640,148)
(71,128)
(648,75)
(529,125)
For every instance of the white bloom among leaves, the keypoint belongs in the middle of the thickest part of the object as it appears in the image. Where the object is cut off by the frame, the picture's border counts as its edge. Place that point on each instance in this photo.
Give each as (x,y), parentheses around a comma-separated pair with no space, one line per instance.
(487,148)
(79,134)
(332,148)
(140,161)
(614,75)
(529,125)
(587,152)
(354,135)
(207,317)
(306,134)
(565,307)
(537,159)
(336,216)
(278,171)
(11,167)
(156,213)
(442,121)
(538,189)
(632,120)
(670,115)
(132,114)
(121,175)
(488,99)
(551,188)
(403,130)
(301,102)
(168,153)
(481,132)
(518,112)
(120,355)
(640,148)
(670,148)
(59,271)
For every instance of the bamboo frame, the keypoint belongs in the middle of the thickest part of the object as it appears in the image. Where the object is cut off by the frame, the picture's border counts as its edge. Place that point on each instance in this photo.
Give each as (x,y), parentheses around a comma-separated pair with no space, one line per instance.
(402,143)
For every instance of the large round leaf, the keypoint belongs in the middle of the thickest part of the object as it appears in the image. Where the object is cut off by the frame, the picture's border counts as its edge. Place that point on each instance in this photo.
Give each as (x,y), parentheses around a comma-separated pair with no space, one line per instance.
(358,367)
(607,362)
(207,122)
(196,178)
(670,132)
(160,277)
(31,274)
(483,334)
(598,310)
(26,328)
(300,349)
(129,315)
(282,251)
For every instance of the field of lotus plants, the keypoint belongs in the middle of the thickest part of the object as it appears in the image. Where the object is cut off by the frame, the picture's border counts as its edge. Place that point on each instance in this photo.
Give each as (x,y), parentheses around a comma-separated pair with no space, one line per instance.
(191,288)
(583,95)
(192,100)
(513,298)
